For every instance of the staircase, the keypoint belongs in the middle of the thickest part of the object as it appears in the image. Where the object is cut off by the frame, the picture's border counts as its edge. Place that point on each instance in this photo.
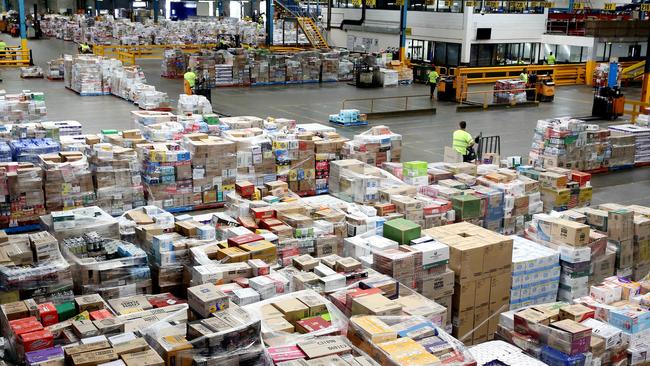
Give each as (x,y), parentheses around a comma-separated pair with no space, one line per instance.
(312,32)
(305,22)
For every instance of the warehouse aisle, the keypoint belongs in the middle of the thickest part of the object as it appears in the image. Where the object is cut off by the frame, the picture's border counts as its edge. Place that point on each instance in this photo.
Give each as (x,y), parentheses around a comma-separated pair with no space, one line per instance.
(425,137)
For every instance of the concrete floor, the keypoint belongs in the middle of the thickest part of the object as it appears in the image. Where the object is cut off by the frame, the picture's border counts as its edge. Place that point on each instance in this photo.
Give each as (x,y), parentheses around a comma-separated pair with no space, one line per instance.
(424,136)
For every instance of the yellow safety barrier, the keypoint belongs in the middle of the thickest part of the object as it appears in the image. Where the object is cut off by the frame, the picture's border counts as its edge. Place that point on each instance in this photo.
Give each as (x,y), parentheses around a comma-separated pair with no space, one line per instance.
(638,107)
(14,57)
(563,74)
(130,53)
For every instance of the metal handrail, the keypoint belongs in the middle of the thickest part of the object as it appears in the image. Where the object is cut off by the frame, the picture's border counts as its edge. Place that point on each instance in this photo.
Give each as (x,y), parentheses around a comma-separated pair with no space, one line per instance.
(372,100)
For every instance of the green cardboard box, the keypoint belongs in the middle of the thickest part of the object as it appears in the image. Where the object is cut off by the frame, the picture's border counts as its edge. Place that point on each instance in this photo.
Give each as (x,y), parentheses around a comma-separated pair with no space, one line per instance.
(466,206)
(402,231)
(66,310)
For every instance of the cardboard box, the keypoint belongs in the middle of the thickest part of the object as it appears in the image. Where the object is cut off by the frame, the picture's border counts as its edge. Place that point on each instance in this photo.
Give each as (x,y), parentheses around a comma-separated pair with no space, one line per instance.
(372,328)
(85,348)
(206,299)
(148,357)
(620,225)
(47,314)
(439,285)
(94,358)
(577,313)
(376,304)
(401,230)
(292,309)
(84,328)
(131,304)
(316,304)
(170,346)
(89,303)
(569,232)
(324,346)
(134,345)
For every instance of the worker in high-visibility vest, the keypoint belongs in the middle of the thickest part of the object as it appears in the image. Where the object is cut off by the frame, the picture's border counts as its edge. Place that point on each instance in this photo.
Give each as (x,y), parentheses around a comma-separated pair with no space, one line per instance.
(462,142)
(84,48)
(524,76)
(189,81)
(433,81)
(550,59)
(3,49)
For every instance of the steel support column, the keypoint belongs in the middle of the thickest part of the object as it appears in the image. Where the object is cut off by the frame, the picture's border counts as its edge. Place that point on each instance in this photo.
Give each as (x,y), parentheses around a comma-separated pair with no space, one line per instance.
(402,31)
(21,19)
(269,22)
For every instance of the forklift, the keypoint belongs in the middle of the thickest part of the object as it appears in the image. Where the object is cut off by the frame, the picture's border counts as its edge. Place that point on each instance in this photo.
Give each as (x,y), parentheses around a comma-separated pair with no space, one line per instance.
(544,88)
(609,101)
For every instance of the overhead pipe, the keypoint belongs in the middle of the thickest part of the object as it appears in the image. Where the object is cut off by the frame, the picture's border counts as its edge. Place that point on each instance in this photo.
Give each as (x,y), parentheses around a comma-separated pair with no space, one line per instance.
(352,21)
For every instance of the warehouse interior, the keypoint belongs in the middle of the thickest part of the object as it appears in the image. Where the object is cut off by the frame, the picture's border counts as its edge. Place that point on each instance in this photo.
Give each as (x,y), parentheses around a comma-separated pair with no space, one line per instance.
(324,183)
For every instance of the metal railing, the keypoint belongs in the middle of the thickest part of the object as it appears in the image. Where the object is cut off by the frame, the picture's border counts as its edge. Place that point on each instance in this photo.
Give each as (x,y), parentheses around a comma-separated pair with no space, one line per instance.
(15,56)
(394,104)
(638,108)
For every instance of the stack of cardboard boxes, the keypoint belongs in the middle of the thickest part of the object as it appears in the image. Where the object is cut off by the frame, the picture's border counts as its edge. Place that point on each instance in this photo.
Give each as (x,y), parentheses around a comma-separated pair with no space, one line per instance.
(31,266)
(255,160)
(574,241)
(116,174)
(327,150)
(535,273)
(375,146)
(295,164)
(623,149)
(570,143)
(214,167)
(22,186)
(68,181)
(482,265)
(166,174)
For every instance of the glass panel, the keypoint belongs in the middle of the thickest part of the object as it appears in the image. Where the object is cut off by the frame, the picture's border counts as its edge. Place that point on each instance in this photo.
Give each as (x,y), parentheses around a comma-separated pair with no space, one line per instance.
(440,55)
(453,54)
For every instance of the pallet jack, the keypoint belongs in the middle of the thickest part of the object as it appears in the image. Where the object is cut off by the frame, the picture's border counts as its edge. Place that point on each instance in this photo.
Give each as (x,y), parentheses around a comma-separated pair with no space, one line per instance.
(609,101)
(544,88)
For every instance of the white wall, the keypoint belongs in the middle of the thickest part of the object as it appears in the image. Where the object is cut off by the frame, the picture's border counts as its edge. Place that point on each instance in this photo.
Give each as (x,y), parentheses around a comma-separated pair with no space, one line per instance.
(444,27)
(379,41)
(509,28)
(568,40)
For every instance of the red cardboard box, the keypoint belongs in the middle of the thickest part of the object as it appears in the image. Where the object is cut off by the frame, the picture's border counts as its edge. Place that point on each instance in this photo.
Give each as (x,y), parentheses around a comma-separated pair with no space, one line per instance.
(312,324)
(166,299)
(287,353)
(245,188)
(47,313)
(269,223)
(238,240)
(100,314)
(41,339)
(25,325)
(581,177)
(262,213)
(358,292)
